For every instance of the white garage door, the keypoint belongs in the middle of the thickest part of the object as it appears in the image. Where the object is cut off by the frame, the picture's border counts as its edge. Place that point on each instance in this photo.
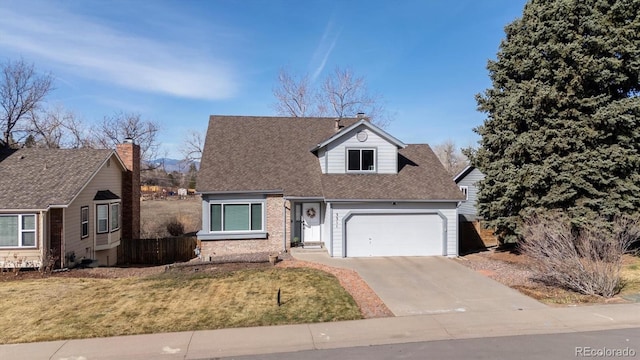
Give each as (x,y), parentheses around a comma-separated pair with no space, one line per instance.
(394,235)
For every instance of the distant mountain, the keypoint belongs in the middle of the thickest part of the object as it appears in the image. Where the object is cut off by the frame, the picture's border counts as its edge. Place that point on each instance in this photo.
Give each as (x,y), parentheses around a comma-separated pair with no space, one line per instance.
(171,165)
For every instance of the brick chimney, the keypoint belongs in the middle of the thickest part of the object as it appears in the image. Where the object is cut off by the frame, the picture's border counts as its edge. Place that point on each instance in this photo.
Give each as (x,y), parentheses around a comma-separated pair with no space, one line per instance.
(129,152)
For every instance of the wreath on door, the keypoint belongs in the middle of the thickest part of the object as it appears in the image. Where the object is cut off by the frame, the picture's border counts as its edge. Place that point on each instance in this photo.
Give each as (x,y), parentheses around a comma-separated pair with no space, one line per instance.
(311,213)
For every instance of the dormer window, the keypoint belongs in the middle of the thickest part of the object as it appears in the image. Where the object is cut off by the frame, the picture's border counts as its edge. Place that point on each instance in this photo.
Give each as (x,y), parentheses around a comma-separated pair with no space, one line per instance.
(465,191)
(361,160)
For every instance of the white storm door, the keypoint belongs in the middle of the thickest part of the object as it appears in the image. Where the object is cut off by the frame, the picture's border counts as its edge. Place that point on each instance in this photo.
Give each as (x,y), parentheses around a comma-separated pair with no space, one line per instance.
(310,222)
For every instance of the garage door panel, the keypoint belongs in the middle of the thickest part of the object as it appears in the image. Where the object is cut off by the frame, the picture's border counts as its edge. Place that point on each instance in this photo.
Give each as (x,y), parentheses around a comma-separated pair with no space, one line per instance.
(394,235)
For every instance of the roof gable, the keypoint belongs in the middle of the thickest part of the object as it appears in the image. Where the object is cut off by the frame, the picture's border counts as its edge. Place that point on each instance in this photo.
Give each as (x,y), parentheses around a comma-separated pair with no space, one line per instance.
(462,174)
(364,124)
(35,179)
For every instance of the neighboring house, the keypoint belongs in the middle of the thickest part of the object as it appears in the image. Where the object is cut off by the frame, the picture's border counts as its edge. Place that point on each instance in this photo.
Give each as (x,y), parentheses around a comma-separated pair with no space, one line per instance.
(467,181)
(344,184)
(473,233)
(67,204)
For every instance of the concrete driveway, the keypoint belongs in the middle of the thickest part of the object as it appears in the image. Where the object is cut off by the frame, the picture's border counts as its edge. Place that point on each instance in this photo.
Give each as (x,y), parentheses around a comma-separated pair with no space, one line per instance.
(428,285)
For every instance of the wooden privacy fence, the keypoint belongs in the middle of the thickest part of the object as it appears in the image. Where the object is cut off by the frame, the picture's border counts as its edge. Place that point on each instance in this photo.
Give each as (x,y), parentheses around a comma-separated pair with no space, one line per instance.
(156,251)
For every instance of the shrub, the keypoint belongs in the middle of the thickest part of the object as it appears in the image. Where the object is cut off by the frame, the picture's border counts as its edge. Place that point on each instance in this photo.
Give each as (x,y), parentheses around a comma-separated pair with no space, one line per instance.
(586,259)
(175,227)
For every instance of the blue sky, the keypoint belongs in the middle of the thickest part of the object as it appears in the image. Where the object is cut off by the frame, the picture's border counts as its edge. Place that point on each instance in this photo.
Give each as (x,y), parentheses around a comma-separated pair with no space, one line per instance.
(177,62)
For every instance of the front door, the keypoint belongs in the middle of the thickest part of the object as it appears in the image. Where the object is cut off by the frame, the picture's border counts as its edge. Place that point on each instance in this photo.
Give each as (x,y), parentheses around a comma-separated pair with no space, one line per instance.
(310,222)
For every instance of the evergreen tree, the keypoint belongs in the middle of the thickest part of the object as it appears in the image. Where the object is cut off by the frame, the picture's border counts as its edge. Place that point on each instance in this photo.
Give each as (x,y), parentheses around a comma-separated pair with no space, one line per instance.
(563,115)
(193,171)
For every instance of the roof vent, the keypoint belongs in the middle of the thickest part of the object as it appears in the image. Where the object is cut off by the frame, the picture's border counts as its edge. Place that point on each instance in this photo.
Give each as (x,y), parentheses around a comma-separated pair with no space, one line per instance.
(336,127)
(360,115)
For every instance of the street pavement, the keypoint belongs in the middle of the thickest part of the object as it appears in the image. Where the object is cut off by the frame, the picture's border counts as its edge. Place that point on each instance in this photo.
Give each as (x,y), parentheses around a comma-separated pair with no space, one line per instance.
(475,322)
(607,344)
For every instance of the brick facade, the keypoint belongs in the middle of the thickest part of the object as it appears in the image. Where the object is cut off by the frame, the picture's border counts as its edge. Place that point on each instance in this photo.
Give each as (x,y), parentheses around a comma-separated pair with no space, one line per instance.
(130,155)
(56,225)
(272,244)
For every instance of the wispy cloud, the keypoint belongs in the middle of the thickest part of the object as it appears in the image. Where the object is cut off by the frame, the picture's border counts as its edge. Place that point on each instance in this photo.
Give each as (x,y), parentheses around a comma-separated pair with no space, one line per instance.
(99,51)
(324,49)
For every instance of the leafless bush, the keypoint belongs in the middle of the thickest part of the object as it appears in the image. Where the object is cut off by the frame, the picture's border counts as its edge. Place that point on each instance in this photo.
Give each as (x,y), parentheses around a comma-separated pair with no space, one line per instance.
(14,265)
(48,262)
(175,227)
(153,229)
(587,260)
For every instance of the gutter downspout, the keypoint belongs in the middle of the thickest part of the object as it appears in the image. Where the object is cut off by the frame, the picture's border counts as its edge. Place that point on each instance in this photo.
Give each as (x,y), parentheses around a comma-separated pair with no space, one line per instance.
(330,220)
(284,224)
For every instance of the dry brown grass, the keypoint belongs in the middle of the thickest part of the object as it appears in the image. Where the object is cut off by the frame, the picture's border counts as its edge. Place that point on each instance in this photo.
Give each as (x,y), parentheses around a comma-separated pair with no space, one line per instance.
(155,214)
(631,275)
(69,308)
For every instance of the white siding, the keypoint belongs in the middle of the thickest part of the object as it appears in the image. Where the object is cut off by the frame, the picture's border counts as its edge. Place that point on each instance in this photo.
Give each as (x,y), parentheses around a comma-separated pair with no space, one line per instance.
(471,182)
(447,209)
(323,160)
(386,153)
(325,233)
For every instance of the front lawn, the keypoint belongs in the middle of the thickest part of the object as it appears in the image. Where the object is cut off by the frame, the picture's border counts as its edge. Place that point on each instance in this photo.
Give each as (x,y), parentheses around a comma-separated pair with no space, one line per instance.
(69,308)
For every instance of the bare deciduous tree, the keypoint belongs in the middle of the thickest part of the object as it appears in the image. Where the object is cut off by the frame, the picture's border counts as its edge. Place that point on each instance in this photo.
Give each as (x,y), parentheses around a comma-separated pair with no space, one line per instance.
(345,95)
(22,90)
(59,128)
(451,157)
(192,146)
(46,128)
(114,129)
(341,94)
(294,96)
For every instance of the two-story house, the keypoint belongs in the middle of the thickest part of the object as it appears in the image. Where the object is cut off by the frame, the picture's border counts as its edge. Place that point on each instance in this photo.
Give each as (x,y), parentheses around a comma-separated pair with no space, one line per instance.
(67,205)
(344,184)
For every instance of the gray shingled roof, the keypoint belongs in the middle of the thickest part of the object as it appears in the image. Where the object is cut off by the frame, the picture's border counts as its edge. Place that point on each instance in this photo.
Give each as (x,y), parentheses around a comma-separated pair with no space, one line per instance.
(246,153)
(39,178)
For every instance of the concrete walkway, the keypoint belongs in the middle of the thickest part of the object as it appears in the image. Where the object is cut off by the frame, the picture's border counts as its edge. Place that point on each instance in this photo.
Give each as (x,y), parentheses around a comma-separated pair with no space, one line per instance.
(427,285)
(486,321)
(272,339)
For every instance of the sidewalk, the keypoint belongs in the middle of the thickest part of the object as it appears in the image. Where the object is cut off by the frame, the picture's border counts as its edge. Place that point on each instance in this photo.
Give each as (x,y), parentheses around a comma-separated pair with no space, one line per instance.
(490,320)
(260,340)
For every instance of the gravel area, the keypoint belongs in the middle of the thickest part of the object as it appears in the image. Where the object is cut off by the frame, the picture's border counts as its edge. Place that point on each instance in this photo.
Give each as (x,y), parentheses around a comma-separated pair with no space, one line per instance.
(504,267)
(514,271)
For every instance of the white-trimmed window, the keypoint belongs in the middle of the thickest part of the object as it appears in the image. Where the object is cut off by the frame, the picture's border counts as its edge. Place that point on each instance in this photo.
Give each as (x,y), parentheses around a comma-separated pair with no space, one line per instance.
(107,217)
(115,216)
(238,217)
(18,231)
(359,160)
(465,191)
(102,218)
(84,221)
